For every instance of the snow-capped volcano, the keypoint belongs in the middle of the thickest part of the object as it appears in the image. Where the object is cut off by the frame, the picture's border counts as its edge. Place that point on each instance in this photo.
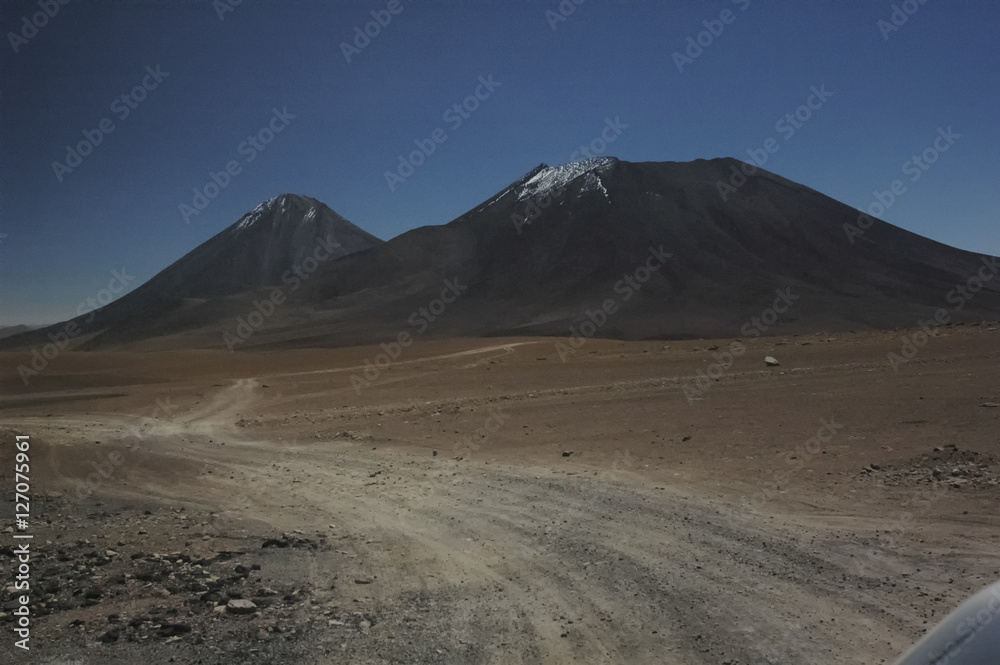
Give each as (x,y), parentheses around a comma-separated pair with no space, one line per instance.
(282,209)
(549,179)
(262,246)
(652,246)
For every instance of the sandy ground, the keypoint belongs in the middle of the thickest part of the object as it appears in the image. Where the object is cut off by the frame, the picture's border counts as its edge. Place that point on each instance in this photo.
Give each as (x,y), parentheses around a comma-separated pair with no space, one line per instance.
(482,501)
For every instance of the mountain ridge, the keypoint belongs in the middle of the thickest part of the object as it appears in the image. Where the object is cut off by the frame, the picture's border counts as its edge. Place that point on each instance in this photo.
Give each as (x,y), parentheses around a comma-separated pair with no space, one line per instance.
(539,253)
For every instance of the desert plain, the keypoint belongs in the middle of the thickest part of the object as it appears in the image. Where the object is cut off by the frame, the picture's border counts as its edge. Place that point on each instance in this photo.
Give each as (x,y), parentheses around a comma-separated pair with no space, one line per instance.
(489,501)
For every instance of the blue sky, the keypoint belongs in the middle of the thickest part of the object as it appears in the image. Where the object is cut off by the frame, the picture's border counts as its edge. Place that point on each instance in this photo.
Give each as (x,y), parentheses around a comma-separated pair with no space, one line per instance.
(221,79)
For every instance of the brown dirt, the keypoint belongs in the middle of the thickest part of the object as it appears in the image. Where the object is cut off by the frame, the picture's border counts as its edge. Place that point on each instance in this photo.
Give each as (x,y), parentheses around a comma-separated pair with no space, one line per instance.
(607,519)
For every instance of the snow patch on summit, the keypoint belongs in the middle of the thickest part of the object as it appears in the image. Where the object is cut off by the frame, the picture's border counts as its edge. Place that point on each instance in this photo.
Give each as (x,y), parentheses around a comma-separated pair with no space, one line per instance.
(255,215)
(277,207)
(549,179)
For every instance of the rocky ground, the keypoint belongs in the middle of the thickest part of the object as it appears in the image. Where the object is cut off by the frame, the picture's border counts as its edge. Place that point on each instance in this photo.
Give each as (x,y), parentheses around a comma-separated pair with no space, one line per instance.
(490,504)
(947,466)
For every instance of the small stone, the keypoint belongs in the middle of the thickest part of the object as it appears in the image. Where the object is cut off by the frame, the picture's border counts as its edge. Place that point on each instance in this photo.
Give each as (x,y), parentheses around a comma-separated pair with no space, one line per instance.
(365,626)
(111,636)
(171,629)
(771,361)
(241,606)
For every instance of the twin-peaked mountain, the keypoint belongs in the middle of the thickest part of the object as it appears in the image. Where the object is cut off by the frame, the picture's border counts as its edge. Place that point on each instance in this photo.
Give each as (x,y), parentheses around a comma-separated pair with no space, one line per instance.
(641,250)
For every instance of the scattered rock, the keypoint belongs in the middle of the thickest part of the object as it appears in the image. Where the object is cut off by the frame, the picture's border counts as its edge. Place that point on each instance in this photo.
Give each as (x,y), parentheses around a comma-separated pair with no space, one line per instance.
(287,540)
(945,466)
(111,636)
(171,629)
(240,606)
(771,361)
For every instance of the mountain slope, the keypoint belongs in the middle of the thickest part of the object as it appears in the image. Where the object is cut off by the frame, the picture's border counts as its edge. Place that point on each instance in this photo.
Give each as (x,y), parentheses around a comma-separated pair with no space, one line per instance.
(641,250)
(283,237)
(258,249)
(540,254)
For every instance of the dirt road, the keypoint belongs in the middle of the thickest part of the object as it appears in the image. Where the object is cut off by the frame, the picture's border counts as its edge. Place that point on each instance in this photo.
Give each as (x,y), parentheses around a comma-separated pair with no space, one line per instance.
(430,554)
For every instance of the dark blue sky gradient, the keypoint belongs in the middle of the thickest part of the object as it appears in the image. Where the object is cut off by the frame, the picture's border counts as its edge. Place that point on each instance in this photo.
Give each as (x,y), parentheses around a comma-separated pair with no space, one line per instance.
(119,208)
